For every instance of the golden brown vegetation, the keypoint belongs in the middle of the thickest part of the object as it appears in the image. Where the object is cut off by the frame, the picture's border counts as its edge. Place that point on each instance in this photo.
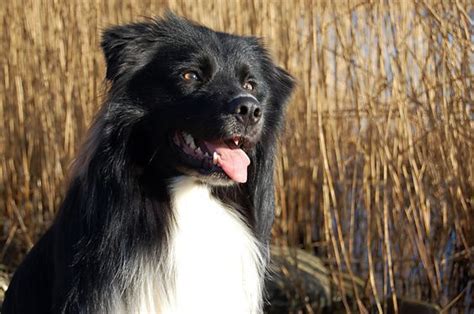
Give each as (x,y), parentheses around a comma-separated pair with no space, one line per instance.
(376,171)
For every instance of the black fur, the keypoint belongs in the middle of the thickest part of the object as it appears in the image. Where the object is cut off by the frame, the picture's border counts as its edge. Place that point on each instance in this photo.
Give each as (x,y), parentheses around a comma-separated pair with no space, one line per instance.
(117,206)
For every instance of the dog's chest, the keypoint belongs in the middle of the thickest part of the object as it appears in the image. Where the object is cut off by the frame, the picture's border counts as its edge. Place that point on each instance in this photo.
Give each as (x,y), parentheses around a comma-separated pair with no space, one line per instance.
(214,257)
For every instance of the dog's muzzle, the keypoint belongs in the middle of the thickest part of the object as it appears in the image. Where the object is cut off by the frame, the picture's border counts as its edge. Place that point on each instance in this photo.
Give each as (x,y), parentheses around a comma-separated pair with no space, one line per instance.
(246,109)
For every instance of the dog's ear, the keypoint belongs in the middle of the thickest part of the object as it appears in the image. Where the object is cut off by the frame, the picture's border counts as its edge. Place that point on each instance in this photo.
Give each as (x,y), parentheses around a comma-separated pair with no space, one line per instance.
(261,168)
(283,85)
(127,48)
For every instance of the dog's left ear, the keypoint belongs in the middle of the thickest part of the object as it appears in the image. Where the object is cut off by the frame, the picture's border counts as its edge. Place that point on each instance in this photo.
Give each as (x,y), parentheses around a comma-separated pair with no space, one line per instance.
(127,48)
(283,85)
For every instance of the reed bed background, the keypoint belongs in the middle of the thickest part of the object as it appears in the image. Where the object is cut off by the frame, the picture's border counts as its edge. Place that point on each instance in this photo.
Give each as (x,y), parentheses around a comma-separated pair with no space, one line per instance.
(376,167)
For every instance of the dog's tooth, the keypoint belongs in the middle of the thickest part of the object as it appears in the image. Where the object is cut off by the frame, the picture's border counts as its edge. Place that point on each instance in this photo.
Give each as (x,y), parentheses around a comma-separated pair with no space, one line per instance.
(236,141)
(199,151)
(206,154)
(188,138)
(215,158)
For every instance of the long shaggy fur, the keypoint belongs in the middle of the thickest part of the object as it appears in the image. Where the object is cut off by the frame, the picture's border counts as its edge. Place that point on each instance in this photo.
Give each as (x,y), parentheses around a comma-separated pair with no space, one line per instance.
(140,229)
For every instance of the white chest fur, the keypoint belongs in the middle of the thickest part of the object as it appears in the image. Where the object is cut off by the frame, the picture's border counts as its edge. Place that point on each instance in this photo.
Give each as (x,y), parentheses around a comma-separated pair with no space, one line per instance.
(214,257)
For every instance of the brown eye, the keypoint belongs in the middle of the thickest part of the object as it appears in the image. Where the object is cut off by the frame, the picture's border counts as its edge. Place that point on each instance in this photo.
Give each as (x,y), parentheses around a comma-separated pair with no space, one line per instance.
(249,86)
(190,76)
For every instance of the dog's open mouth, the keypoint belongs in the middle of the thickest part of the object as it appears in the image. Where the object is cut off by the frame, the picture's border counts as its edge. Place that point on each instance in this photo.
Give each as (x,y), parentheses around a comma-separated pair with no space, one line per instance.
(219,155)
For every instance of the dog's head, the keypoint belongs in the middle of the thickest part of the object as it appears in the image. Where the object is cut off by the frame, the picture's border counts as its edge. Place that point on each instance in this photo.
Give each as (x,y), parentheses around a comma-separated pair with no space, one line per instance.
(209,97)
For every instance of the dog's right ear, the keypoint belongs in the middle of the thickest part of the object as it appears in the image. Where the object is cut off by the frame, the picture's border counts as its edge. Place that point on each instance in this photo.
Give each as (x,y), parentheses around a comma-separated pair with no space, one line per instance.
(127,48)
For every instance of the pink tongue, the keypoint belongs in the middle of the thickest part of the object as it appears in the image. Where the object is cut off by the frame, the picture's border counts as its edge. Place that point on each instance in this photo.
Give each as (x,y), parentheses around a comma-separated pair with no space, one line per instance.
(233,161)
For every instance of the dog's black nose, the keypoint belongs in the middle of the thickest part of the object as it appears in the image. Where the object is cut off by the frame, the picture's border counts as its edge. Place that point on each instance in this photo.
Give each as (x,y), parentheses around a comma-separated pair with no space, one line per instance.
(246,109)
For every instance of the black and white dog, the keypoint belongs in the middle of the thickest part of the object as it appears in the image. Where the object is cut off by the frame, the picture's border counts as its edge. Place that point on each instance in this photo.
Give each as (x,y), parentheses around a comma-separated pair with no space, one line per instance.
(170,203)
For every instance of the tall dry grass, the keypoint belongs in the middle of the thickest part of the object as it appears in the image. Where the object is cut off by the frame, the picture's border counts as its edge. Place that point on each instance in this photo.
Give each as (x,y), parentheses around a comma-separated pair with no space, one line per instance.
(376,171)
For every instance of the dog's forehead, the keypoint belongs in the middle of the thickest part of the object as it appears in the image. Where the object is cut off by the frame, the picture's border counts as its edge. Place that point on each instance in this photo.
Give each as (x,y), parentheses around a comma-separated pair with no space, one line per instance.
(225,52)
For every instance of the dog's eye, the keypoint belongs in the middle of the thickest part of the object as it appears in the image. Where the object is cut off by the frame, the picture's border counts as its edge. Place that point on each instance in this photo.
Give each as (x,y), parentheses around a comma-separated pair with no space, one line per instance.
(249,85)
(191,76)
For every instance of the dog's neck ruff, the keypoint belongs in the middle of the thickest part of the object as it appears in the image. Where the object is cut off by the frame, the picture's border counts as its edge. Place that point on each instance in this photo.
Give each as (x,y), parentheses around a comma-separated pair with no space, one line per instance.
(214,261)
